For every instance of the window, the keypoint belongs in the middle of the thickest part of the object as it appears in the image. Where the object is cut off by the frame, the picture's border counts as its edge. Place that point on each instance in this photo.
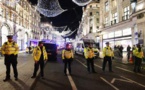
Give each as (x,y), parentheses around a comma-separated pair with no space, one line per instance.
(91,13)
(106,21)
(97,20)
(97,27)
(90,30)
(126,13)
(97,13)
(114,18)
(106,6)
(90,6)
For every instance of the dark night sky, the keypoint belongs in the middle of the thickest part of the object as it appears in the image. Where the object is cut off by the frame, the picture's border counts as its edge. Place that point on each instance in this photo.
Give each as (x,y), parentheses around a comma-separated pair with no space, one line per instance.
(70,18)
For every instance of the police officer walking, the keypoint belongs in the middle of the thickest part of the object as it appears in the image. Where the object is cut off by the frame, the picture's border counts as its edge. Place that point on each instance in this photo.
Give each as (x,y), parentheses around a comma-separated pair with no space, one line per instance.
(10,51)
(89,56)
(67,57)
(108,55)
(39,55)
(138,53)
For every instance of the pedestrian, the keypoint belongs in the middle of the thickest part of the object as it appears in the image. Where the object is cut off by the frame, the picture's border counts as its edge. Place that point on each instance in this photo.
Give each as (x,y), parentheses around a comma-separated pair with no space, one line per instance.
(39,56)
(10,51)
(67,57)
(121,50)
(138,53)
(108,56)
(89,56)
(128,52)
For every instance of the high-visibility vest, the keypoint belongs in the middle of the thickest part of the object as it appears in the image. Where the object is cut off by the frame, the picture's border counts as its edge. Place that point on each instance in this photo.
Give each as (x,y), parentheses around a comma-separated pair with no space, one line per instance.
(138,54)
(67,54)
(37,53)
(89,53)
(107,51)
(10,48)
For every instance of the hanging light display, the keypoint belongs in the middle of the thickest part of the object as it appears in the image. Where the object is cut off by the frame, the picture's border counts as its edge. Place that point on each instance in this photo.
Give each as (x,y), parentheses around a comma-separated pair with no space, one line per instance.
(60,29)
(49,8)
(82,2)
(12,1)
(69,34)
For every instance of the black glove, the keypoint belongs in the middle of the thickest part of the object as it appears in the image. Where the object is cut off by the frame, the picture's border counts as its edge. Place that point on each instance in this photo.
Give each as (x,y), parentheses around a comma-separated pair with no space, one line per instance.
(112,57)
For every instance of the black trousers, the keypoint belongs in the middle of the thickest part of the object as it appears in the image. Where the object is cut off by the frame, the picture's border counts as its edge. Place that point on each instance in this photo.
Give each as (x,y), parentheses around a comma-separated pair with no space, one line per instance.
(90,63)
(107,59)
(67,63)
(11,60)
(36,67)
(128,55)
(137,64)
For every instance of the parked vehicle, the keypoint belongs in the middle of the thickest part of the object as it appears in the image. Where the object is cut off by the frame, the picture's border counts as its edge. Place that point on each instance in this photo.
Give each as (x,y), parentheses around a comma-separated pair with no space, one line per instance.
(51,49)
(80,45)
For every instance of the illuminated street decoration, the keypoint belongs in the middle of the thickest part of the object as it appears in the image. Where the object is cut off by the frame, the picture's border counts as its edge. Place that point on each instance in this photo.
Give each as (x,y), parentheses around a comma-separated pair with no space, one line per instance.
(82,2)
(60,29)
(12,1)
(49,8)
(69,34)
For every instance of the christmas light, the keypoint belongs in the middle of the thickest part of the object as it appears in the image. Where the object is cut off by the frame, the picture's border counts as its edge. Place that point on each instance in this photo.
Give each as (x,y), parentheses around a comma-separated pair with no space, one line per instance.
(82,2)
(13,2)
(49,8)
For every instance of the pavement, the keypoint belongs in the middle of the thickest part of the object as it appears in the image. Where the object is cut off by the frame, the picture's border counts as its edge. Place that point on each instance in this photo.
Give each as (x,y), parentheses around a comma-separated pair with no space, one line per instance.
(25,70)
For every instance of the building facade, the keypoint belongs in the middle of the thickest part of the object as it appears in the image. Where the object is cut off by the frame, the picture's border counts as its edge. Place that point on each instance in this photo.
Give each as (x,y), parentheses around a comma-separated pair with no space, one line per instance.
(20,20)
(120,22)
(90,23)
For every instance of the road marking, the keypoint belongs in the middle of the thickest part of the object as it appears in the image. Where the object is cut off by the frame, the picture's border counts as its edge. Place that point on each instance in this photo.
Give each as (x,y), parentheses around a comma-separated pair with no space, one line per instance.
(114,79)
(133,81)
(97,66)
(71,81)
(109,83)
(130,71)
(82,63)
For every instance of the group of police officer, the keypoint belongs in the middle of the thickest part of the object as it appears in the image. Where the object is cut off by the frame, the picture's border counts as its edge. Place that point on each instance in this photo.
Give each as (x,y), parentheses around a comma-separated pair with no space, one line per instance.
(10,51)
(67,56)
(108,54)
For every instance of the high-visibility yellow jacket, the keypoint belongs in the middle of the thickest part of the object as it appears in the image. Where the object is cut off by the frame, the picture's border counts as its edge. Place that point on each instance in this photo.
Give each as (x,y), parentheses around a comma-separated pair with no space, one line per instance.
(89,53)
(107,51)
(138,54)
(67,54)
(10,48)
(37,53)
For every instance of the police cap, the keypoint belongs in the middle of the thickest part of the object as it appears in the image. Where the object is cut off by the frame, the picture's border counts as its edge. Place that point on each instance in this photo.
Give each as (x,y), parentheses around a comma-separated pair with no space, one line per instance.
(107,42)
(10,36)
(40,42)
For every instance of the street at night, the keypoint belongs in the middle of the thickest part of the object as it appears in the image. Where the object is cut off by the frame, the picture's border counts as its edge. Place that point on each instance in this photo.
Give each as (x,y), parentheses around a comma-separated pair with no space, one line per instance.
(123,77)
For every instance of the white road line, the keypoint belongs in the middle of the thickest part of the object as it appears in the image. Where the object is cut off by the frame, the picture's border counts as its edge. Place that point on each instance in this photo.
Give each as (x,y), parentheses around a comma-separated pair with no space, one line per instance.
(82,63)
(97,66)
(71,82)
(130,71)
(133,81)
(109,83)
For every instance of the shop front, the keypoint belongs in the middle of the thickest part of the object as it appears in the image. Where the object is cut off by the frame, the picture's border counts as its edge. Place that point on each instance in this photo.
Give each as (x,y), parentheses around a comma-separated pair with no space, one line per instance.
(119,37)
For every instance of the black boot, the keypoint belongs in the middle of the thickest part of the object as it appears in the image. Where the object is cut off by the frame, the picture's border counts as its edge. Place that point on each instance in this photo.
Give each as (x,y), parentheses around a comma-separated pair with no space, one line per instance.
(6,79)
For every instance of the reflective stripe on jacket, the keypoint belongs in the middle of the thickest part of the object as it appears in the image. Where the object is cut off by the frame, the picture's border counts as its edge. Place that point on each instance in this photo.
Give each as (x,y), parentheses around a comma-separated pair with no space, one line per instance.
(67,54)
(89,53)
(107,51)
(10,48)
(37,53)
(138,54)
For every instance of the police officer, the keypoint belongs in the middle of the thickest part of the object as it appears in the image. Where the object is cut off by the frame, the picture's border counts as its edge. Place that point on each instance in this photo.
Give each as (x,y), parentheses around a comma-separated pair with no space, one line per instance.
(89,56)
(39,55)
(10,51)
(138,53)
(108,55)
(67,57)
